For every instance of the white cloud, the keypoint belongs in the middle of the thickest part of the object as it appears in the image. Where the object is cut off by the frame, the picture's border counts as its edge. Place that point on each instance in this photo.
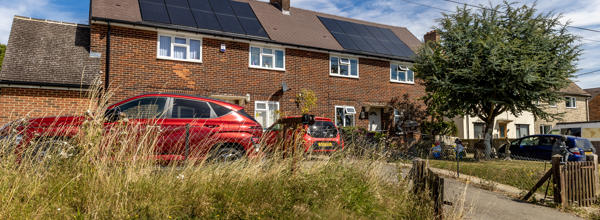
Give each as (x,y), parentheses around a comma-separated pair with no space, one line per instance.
(43,9)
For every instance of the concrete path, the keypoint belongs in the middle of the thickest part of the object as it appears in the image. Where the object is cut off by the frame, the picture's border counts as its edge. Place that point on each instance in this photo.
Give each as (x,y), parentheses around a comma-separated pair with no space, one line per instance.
(470,202)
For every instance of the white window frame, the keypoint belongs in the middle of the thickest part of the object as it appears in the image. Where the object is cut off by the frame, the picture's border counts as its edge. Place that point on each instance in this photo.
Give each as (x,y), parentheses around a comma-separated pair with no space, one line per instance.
(542,128)
(350,58)
(270,121)
(406,81)
(173,44)
(573,100)
(345,107)
(260,56)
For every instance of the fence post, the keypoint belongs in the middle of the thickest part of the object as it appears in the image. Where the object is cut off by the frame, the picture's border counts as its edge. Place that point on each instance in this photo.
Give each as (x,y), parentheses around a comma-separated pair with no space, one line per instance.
(187,141)
(594,159)
(556,178)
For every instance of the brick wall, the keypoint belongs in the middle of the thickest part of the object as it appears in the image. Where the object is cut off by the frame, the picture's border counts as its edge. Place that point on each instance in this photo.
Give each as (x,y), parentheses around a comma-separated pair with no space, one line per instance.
(594,106)
(577,114)
(136,70)
(17,103)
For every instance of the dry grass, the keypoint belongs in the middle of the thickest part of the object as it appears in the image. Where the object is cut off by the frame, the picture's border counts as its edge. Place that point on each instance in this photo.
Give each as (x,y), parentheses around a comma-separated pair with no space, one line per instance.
(111,177)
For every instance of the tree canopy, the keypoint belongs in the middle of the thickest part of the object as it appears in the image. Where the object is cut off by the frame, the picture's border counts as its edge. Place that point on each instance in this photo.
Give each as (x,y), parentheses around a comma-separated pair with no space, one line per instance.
(505,58)
(2,51)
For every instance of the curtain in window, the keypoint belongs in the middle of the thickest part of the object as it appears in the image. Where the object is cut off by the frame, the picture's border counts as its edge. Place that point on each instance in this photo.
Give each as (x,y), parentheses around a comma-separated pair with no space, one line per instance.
(165,46)
(354,67)
(195,49)
(180,52)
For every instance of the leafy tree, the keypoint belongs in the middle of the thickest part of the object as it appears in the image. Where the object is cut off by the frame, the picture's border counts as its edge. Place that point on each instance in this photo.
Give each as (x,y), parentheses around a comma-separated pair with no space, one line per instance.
(503,59)
(2,50)
(410,114)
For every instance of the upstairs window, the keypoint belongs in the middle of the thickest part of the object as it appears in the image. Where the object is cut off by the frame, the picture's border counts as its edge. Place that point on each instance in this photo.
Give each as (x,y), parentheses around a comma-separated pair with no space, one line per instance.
(571,102)
(179,48)
(343,66)
(401,74)
(267,58)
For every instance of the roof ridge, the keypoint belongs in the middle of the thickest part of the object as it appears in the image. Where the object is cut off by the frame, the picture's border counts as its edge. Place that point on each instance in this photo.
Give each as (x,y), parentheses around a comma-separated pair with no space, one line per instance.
(48,21)
(337,16)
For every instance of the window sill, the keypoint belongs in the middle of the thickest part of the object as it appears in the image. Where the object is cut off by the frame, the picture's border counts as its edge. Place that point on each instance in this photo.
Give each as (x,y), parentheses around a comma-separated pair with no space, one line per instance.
(265,68)
(571,107)
(173,59)
(342,76)
(400,82)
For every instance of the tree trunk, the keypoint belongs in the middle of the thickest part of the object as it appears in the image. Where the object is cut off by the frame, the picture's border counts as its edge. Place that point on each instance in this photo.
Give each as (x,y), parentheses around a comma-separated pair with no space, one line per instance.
(487,138)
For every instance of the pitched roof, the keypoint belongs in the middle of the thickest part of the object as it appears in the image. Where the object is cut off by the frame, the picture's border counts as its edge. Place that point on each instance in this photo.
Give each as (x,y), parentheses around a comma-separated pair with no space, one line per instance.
(48,53)
(300,28)
(593,91)
(574,89)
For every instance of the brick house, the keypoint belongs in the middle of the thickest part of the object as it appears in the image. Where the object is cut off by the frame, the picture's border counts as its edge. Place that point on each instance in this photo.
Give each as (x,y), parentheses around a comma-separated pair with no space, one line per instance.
(256,54)
(594,103)
(46,70)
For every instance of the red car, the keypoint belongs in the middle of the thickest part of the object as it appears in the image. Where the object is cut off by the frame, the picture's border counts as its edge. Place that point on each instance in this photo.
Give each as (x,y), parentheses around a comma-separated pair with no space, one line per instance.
(187,126)
(321,133)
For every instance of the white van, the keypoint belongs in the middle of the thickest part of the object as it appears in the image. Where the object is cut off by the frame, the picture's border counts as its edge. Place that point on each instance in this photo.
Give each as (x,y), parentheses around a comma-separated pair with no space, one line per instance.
(589,130)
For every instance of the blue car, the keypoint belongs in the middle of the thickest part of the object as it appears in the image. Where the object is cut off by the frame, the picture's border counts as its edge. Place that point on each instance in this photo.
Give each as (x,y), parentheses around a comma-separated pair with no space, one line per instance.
(543,146)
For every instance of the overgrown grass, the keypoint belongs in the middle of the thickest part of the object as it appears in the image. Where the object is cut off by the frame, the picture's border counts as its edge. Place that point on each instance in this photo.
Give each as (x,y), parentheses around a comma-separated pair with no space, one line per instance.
(521,174)
(110,178)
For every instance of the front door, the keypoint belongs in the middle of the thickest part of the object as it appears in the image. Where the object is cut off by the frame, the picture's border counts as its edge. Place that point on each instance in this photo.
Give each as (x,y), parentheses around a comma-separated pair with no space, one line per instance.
(375,120)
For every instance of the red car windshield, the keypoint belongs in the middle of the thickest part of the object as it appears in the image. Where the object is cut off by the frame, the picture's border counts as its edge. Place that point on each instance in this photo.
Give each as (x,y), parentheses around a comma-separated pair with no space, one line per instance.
(322,129)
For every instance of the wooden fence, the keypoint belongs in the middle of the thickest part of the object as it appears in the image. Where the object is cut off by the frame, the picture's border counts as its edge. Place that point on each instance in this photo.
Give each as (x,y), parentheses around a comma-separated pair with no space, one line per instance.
(577,182)
(425,181)
(574,183)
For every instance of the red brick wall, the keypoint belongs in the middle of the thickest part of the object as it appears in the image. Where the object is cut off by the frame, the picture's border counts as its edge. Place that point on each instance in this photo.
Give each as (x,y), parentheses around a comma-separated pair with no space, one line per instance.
(136,70)
(17,103)
(594,107)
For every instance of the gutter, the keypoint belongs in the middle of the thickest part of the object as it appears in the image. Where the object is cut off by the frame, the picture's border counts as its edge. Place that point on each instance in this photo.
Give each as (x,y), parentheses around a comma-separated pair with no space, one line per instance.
(237,37)
(32,86)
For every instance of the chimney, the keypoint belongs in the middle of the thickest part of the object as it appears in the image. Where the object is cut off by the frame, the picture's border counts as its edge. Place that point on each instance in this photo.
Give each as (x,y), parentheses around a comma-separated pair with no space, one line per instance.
(283,5)
(431,36)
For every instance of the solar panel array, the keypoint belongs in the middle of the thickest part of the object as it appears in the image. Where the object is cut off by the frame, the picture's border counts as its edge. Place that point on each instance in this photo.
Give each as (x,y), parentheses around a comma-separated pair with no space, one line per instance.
(218,15)
(366,38)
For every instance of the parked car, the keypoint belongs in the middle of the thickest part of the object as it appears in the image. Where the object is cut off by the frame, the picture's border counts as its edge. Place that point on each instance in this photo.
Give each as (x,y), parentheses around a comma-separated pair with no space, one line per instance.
(185,125)
(321,134)
(589,130)
(542,147)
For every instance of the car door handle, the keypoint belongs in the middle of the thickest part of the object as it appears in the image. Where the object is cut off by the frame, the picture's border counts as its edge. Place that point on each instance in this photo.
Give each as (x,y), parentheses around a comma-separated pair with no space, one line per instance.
(211,126)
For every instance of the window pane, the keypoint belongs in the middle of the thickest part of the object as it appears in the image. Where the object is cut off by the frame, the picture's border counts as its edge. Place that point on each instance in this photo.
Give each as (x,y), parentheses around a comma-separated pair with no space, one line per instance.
(261,117)
(180,52)
(195,49)
(402,76)
(344,60)
(339,117)
(354,67)
(180,40)
(273,116)
(219,110)
(334,65)
(144,108)
(344,69)
(267,51)
(261,106)
(183,108)
(267,61)
(279,59)
(410,76)
(254,56)
(165,46)
(349,120)
(394,72)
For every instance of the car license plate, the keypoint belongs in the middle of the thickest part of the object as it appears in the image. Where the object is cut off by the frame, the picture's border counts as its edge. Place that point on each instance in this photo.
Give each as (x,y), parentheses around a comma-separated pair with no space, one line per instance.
(325,144)
(588,153)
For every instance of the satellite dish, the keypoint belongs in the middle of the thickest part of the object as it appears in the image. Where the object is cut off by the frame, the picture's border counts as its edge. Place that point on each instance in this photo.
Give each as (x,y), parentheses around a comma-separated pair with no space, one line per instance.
(284,87)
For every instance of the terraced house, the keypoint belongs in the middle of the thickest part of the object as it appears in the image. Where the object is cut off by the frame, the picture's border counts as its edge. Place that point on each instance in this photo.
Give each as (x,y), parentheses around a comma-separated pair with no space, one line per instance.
(252,53)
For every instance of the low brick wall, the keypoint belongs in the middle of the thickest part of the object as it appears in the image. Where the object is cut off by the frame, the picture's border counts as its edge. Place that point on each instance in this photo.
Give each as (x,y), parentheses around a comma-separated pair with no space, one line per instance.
(17,103)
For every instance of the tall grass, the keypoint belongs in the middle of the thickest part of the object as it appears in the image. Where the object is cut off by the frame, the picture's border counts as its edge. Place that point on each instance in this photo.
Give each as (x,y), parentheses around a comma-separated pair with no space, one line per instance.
(109,175)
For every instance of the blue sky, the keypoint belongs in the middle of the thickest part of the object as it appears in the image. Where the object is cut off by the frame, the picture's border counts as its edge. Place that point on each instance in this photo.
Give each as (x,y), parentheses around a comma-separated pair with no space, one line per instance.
(419,16)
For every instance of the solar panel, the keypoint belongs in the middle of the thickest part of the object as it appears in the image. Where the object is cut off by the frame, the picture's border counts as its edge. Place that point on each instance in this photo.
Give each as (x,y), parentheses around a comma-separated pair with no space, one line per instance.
(230,24)
(206,20)
(153,10)
(366,38)
(217,15)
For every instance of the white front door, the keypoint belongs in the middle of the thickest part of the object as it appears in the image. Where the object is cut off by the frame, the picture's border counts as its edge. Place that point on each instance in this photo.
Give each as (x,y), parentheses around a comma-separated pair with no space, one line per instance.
(375,120)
